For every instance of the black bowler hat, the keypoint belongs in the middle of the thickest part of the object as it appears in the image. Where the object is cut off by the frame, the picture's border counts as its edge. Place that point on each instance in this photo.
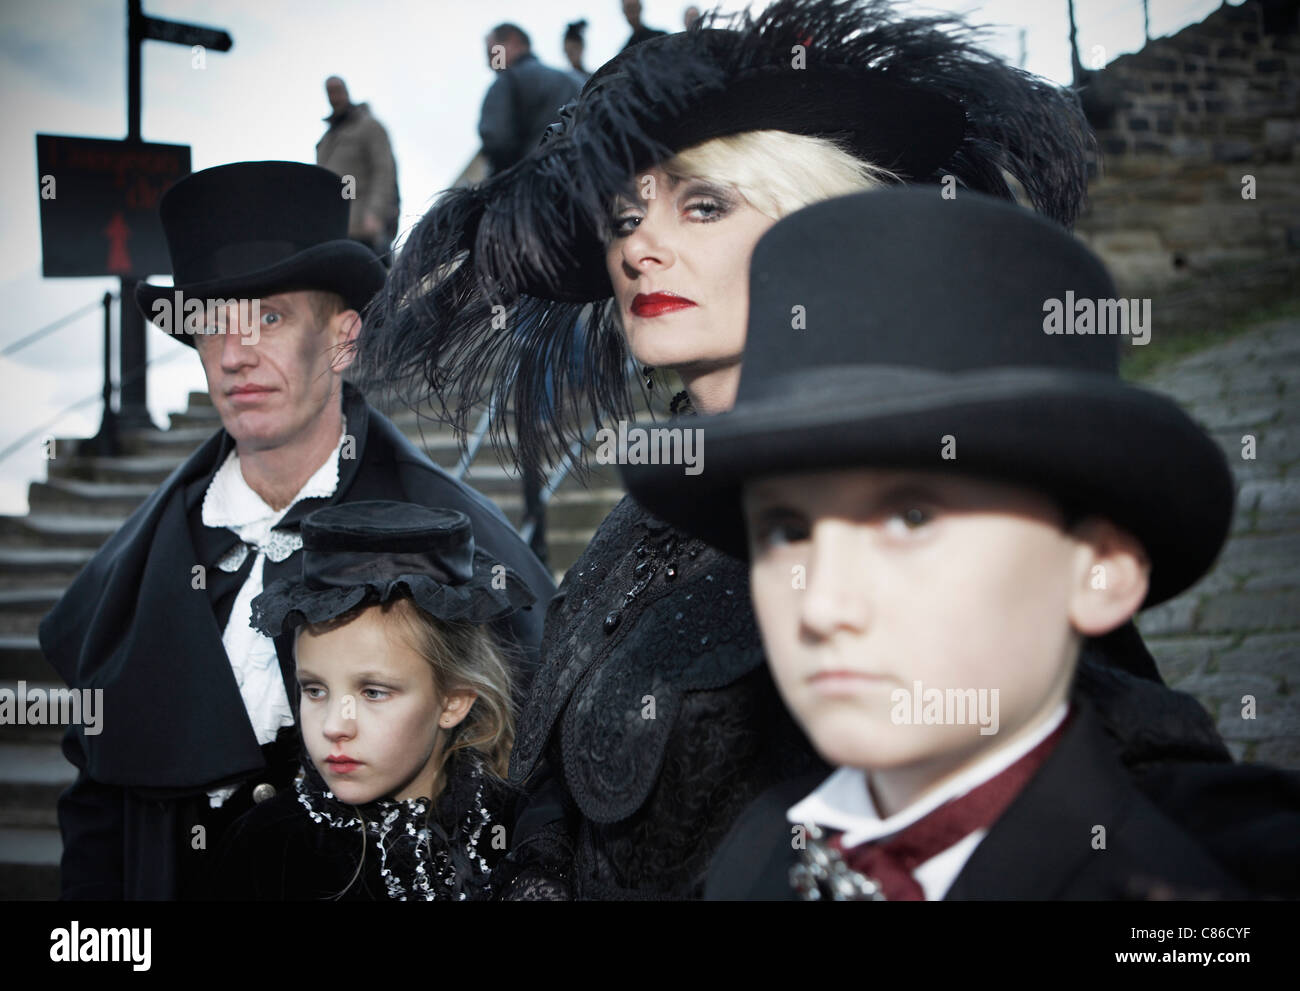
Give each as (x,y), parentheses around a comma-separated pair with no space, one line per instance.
(253,229)
(883,323)
(361,553)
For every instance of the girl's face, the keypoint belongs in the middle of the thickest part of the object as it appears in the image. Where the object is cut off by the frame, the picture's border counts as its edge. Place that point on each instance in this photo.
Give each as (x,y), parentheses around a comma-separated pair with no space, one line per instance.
(371,713)
(679,263)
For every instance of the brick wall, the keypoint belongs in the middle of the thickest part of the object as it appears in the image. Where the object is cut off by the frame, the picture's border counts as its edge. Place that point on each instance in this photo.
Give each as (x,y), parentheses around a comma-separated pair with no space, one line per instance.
(1197,194)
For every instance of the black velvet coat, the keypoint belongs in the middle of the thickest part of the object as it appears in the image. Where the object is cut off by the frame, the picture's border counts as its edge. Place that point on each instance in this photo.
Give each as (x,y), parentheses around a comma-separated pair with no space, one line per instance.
(277,852)
(138,625)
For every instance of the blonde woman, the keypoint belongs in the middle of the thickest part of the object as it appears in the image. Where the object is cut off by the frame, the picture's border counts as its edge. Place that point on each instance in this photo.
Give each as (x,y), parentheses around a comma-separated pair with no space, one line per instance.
(628,233)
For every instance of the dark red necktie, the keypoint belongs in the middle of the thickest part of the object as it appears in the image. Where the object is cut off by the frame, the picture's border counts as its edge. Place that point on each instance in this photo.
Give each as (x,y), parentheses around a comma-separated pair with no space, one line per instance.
(890,861)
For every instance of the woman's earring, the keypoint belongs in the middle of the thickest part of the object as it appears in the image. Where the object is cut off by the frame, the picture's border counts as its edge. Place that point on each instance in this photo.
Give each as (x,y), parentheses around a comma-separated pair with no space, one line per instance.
(647,371)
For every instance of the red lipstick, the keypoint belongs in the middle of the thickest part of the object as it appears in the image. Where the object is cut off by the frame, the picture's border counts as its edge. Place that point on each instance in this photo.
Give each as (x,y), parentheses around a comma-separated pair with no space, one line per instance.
(658,303)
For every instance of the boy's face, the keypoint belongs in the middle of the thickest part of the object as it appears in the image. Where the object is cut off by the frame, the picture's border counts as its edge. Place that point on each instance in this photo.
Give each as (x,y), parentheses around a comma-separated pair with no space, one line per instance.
(866,582)
(371,711)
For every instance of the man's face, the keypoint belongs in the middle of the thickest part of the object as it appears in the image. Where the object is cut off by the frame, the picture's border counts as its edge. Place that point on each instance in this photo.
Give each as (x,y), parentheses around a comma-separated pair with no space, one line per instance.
(271,380)
(338,94)
(511,48)
(868,582)
(632,11)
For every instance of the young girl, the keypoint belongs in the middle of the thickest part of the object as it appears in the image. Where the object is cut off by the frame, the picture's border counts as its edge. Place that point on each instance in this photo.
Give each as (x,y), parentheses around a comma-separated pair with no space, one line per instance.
(405,715)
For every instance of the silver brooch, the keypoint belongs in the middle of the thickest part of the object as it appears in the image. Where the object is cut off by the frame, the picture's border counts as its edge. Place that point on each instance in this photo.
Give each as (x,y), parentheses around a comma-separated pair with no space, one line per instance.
(822,875)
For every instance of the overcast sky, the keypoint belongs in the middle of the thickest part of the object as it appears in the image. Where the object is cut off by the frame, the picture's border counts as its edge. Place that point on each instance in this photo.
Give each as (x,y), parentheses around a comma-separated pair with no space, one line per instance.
(419,63)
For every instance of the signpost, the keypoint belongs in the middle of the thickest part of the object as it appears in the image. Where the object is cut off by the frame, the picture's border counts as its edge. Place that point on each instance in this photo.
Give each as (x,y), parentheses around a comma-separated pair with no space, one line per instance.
(99,209)
(101,214)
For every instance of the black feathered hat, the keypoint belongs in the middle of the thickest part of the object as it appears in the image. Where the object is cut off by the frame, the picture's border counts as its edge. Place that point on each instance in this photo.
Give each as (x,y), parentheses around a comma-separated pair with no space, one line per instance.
(890,361)
(912,94)
(253,229)
(361,553)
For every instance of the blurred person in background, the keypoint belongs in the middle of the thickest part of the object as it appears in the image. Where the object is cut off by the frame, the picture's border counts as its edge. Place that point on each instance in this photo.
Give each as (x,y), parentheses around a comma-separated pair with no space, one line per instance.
(357,145)
(525,97)
(640,33)
(574,46)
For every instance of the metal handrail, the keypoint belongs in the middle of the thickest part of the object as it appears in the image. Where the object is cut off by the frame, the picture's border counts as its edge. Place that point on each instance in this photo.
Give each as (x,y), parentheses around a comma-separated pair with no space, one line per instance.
(27,438)
(63,321)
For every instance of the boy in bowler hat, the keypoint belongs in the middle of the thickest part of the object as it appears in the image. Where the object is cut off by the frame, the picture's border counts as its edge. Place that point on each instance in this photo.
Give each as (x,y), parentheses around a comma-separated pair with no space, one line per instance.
(943,502)
(198,721)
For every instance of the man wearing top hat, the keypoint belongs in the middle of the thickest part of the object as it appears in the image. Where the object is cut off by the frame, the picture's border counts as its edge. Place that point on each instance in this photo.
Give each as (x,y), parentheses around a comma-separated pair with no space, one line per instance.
(199,710)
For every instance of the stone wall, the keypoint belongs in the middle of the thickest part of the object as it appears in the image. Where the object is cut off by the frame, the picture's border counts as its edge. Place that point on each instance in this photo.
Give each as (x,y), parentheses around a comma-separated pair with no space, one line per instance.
(1196,197)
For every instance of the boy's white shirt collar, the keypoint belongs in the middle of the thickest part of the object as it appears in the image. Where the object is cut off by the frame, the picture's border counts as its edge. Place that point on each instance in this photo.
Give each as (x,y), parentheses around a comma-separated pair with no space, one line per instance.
(843,803)
(231,502)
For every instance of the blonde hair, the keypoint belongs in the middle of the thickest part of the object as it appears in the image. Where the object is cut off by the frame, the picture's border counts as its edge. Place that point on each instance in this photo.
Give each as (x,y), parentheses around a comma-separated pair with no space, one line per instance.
(779,172)
(466,657)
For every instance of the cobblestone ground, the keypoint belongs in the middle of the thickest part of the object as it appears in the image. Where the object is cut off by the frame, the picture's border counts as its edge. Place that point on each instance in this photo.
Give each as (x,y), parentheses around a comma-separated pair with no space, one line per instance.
(1236,635)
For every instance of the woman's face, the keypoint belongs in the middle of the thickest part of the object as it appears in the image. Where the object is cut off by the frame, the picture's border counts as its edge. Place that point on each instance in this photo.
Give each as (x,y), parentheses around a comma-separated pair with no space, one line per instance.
(679,263)
(371,711)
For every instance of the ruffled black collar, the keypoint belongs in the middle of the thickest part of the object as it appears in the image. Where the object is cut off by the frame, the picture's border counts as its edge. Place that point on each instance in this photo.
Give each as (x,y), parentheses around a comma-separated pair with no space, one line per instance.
(443,856)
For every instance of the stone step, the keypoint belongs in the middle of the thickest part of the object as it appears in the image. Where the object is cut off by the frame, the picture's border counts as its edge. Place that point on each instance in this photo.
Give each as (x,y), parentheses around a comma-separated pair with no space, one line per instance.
(28,567)
(136,469)
(179,441)
(32,776)
(29,864)
(21,658)
(31,734)
(493,480)
(152,467)
(69,495)
(196,415)
(564,547)
(441,445)
(571,506)
(45,529)
(22,609)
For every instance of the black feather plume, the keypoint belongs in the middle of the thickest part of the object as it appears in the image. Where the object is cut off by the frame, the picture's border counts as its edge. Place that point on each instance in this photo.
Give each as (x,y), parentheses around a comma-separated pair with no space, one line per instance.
(491,298)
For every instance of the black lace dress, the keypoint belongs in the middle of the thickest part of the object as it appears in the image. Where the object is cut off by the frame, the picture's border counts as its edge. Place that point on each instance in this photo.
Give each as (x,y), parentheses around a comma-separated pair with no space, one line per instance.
(653,720)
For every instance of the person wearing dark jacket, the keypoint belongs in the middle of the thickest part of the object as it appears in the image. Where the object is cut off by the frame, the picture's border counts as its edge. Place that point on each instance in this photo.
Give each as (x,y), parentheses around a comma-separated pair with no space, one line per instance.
(640,33)
(522,101)
(198,718)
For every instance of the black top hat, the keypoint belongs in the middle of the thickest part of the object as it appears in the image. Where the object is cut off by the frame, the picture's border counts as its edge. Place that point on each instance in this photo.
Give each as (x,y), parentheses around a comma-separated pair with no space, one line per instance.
(913,94)
(923,318)
(253,229)
(360,553)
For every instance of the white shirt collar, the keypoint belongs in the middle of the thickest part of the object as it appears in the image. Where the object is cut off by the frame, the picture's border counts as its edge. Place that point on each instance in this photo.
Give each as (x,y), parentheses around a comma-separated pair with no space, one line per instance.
(231,502)
(843,801)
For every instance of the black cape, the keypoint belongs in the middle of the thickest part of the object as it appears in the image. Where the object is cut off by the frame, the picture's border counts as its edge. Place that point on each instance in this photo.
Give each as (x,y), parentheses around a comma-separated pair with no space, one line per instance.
(137,624)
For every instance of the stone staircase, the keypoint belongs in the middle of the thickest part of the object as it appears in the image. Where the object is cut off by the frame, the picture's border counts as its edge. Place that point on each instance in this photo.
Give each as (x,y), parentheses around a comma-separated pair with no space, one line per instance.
(84,500)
